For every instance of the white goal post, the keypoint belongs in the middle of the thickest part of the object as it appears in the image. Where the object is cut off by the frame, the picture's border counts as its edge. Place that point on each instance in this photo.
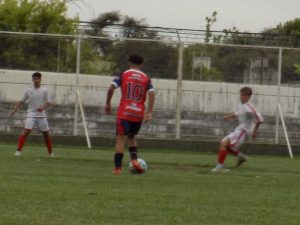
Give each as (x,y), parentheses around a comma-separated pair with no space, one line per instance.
(284,130)
(83,119)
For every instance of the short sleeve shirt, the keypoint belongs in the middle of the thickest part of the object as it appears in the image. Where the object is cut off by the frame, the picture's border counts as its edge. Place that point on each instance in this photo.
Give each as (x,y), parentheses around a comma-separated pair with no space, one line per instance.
(248,116)
(134,86)
(35,98)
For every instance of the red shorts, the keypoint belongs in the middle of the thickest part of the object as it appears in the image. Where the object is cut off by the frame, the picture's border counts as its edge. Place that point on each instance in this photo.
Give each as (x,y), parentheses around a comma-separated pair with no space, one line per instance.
(125,127)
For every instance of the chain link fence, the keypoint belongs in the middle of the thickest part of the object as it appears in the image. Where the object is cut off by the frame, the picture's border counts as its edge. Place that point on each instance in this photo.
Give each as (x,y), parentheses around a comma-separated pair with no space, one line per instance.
(196,82)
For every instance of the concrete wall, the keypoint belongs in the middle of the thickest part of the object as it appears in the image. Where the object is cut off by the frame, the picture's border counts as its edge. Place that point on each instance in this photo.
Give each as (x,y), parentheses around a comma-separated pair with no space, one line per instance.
(203,97)
(203,106)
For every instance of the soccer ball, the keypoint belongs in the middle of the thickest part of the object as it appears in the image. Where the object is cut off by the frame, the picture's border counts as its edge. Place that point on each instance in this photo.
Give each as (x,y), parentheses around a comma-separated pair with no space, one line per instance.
(142,163)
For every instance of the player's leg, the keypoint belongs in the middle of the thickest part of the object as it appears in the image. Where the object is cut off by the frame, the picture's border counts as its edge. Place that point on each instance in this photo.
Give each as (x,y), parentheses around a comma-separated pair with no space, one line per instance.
(120,145)
(241,158)
(44,128)
(132,147)
(222,154)
(29,124)
(48,143)
(134,128)
(234,149)
(119,152)
(21,141)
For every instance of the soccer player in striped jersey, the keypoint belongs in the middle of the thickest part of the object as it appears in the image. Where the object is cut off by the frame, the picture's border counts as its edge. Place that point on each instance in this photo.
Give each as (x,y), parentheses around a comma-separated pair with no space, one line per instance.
(38,101)
(249,121)
(135,86)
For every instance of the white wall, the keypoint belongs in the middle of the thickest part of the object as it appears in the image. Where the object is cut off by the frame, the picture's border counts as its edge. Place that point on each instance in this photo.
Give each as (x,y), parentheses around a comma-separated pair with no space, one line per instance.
(206,97)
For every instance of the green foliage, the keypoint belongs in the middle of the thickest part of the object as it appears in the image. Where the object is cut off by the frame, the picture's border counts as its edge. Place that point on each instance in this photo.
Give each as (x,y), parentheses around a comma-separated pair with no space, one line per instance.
(287,34)
(291,27)
(297,68)
(227,64)
(37,52)
(209,74)
(35,16)
(209,22)
(160,58)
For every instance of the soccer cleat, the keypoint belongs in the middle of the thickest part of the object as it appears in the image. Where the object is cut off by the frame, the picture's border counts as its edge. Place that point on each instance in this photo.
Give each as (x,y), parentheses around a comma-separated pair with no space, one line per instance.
(219,169)
(137,166)
(18,153)
(240,160)
(51,155)
(117,171)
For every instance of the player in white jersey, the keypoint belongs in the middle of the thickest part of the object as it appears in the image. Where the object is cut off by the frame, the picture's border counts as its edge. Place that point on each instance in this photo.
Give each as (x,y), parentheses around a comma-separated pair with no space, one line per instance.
(38,101)
(249,121)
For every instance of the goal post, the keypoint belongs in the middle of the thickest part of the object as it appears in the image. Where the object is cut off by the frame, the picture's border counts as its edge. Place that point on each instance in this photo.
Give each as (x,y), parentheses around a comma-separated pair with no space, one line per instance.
(285,130)
(83,119)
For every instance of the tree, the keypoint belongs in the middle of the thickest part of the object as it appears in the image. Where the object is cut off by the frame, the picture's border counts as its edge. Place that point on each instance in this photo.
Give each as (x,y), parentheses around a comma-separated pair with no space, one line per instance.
(37,52)
(284,34)
(287,34)
(160,58)
(297,68)
(209,22)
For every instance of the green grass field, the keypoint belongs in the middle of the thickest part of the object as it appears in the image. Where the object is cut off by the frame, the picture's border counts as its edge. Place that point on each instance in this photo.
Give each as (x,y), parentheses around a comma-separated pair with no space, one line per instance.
(78,187)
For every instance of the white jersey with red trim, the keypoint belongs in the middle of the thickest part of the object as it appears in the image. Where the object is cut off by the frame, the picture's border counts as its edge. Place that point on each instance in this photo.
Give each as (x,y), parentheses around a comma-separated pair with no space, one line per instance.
(35,98)
(248,116)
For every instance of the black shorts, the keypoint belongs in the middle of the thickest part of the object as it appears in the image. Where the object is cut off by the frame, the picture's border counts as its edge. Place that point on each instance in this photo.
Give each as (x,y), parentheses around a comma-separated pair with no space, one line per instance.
(125,127)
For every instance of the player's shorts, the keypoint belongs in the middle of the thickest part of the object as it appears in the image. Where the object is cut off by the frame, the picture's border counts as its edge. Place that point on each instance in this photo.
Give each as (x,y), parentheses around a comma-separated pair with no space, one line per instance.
(40,122)
(125,127)
(236,139)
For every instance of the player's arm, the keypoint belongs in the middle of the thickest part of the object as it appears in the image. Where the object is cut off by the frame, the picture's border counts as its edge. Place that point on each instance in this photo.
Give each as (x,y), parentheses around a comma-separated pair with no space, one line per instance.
(259,121)
(257,124)
(19,104)
(44,107)
(16,108)
(109,95)
(148,115)
(47,102)
(230,116)
(110,92)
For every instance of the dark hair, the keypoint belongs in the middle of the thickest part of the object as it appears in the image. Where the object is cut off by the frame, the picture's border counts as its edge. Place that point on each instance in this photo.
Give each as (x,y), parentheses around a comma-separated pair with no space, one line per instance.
(246,91)
(136,59)
(36,75)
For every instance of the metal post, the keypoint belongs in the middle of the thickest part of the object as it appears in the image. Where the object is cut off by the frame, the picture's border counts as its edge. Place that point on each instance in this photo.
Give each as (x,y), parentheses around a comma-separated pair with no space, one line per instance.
(193,57)
(58,56)
(75,131)
(285,131)
(86,132)
(179,90)
(278,94)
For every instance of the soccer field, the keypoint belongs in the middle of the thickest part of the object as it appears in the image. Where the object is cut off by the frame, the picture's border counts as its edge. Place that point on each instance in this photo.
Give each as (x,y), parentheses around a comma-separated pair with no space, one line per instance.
(77,187)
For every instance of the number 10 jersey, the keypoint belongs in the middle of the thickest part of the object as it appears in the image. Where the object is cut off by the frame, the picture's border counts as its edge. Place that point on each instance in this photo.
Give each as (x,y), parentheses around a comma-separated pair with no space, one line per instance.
(134,86)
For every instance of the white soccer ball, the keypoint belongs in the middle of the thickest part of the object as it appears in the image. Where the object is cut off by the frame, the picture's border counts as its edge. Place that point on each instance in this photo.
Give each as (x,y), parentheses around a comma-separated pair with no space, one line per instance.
(142,163)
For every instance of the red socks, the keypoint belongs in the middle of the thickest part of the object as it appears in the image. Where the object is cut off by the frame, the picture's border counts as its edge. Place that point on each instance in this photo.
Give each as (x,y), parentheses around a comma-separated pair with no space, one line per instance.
(48,143)
(222,156)
(23,138)
(235,153)
(21,142)
(223,153)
